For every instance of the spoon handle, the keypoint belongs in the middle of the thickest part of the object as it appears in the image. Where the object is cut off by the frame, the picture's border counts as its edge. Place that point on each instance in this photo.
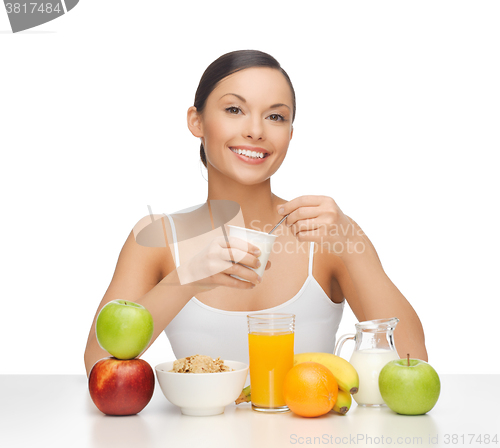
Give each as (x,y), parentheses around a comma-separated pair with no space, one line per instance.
(276,226)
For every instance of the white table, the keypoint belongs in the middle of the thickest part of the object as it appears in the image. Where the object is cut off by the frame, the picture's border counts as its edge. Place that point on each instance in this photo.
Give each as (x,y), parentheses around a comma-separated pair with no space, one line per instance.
(57,411)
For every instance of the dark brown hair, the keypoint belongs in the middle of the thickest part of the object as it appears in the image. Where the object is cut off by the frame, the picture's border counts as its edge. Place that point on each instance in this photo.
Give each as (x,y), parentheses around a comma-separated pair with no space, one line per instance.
(226,65)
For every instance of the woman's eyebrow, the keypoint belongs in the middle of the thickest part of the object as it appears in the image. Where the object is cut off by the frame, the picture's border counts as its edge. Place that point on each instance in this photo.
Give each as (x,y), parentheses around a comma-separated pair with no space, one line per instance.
(244,100)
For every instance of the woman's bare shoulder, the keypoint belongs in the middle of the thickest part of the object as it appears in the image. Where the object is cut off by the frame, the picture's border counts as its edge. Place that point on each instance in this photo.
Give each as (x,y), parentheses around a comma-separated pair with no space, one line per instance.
(155,232)
(358,231)
(341,280)
(151,237)
(149,231)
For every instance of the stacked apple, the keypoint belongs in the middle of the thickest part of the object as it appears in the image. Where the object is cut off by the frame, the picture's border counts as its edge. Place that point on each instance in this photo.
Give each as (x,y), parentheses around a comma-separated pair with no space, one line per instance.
(122,384)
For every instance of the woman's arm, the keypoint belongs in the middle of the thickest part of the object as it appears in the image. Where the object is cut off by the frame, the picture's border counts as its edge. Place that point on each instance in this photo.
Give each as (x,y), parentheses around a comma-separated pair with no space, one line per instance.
(147,275)
(372,295)
(144,275)
(365,285)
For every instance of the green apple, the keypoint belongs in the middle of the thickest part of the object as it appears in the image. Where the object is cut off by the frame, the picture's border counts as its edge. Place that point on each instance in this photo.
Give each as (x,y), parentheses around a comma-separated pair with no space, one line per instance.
(409,389)
(124,328)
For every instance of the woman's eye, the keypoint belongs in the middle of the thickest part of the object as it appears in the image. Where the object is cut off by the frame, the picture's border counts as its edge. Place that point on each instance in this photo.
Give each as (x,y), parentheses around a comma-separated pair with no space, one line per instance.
(233,109)
(276,117)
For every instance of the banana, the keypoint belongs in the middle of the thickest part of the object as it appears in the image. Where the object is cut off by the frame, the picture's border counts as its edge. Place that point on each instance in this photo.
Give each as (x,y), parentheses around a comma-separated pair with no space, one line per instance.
(345,374)
(343,403)
(245,396)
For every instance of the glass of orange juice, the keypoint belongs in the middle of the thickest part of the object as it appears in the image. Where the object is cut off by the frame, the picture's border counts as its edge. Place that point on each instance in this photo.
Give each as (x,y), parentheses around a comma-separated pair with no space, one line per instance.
(270,343)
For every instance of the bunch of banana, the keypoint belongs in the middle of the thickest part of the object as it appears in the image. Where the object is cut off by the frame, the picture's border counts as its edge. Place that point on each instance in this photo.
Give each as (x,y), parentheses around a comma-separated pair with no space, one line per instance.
(343,403)
(343,371)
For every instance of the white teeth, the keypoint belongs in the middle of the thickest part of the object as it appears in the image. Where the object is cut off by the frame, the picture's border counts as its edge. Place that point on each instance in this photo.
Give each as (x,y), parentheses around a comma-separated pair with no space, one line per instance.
(252,154)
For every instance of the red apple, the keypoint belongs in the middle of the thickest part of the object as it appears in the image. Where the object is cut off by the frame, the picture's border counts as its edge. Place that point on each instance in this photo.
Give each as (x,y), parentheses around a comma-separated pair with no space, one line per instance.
(121,386)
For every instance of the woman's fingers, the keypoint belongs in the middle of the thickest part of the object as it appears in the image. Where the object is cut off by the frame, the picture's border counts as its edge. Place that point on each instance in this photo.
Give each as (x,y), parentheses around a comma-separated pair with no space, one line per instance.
(238,243)
(239,256)
(226,280)
(231,256)
(244,272)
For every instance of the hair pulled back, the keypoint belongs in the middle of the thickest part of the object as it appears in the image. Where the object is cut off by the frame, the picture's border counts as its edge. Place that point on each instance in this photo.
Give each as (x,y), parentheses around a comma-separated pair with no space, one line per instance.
(226,65)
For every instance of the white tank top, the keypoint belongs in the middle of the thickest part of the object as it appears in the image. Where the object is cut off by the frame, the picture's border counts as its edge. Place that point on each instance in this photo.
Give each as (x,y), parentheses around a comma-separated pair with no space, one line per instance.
(202,329)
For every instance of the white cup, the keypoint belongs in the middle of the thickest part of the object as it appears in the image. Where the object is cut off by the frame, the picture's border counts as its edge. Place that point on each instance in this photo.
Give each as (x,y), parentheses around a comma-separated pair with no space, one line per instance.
(262,240)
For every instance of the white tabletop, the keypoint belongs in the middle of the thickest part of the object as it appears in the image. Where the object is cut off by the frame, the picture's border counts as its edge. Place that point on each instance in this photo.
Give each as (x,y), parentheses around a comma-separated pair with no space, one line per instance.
(57,411)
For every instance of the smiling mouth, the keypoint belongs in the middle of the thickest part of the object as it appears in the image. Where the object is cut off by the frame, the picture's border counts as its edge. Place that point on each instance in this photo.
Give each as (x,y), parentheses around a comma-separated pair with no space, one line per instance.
(250,154)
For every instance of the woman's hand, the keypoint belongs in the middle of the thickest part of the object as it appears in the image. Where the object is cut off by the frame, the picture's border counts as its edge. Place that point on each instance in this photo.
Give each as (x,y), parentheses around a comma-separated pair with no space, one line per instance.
(319,219)
(214,264)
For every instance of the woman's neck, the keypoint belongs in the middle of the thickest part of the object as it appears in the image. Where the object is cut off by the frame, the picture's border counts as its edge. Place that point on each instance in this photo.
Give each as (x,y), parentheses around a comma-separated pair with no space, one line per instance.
(257,202)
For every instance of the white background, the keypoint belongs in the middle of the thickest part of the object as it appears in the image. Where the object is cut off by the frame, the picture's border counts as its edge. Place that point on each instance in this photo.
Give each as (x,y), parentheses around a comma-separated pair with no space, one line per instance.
(397,119)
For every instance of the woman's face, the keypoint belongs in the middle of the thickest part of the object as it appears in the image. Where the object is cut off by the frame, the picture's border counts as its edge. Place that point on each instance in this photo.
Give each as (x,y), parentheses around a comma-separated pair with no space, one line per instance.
(250,109)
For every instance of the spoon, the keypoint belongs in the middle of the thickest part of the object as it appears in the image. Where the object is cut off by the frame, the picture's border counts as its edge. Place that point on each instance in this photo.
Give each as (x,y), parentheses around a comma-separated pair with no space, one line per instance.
(276,226)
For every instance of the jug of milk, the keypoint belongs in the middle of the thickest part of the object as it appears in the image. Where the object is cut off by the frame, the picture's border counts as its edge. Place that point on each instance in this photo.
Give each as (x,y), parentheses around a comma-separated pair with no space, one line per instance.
(374,348)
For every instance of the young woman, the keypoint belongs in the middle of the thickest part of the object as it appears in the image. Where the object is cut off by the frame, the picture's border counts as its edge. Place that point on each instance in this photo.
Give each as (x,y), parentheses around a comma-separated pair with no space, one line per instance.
(243,114)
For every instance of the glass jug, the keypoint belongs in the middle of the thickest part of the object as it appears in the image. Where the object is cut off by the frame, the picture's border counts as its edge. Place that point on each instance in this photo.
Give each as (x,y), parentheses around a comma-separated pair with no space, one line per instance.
(373,350)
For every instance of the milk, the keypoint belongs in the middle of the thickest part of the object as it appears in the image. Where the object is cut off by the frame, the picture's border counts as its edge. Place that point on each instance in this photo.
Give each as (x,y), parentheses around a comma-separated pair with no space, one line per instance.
(368,363)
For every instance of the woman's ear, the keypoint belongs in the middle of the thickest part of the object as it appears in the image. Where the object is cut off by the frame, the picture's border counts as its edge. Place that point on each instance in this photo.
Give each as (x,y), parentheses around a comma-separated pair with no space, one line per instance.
(291,133)
(194,122)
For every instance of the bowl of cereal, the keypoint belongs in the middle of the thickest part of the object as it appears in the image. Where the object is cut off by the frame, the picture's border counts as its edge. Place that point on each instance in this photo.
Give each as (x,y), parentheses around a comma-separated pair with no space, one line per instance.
(200,385)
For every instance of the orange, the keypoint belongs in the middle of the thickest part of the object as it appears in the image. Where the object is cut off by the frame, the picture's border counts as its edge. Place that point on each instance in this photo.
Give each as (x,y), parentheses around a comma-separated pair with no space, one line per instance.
(310,389)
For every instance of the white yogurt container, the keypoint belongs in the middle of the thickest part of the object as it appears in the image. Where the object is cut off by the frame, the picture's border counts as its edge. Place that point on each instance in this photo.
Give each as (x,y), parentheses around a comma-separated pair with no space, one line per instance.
(262,240)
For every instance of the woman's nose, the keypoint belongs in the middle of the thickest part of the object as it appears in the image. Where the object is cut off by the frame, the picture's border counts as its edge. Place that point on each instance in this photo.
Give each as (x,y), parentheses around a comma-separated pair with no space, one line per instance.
(254,129)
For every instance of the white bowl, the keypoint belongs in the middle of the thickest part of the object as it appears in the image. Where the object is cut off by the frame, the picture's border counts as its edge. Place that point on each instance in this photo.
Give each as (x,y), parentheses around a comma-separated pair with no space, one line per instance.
(202,393)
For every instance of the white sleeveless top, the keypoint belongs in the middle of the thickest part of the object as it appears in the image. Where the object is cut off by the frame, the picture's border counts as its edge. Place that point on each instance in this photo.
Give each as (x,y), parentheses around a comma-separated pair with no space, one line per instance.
(202,329)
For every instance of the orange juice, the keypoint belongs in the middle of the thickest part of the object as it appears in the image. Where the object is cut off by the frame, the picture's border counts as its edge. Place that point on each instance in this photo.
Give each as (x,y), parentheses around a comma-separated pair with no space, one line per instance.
(271,357)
